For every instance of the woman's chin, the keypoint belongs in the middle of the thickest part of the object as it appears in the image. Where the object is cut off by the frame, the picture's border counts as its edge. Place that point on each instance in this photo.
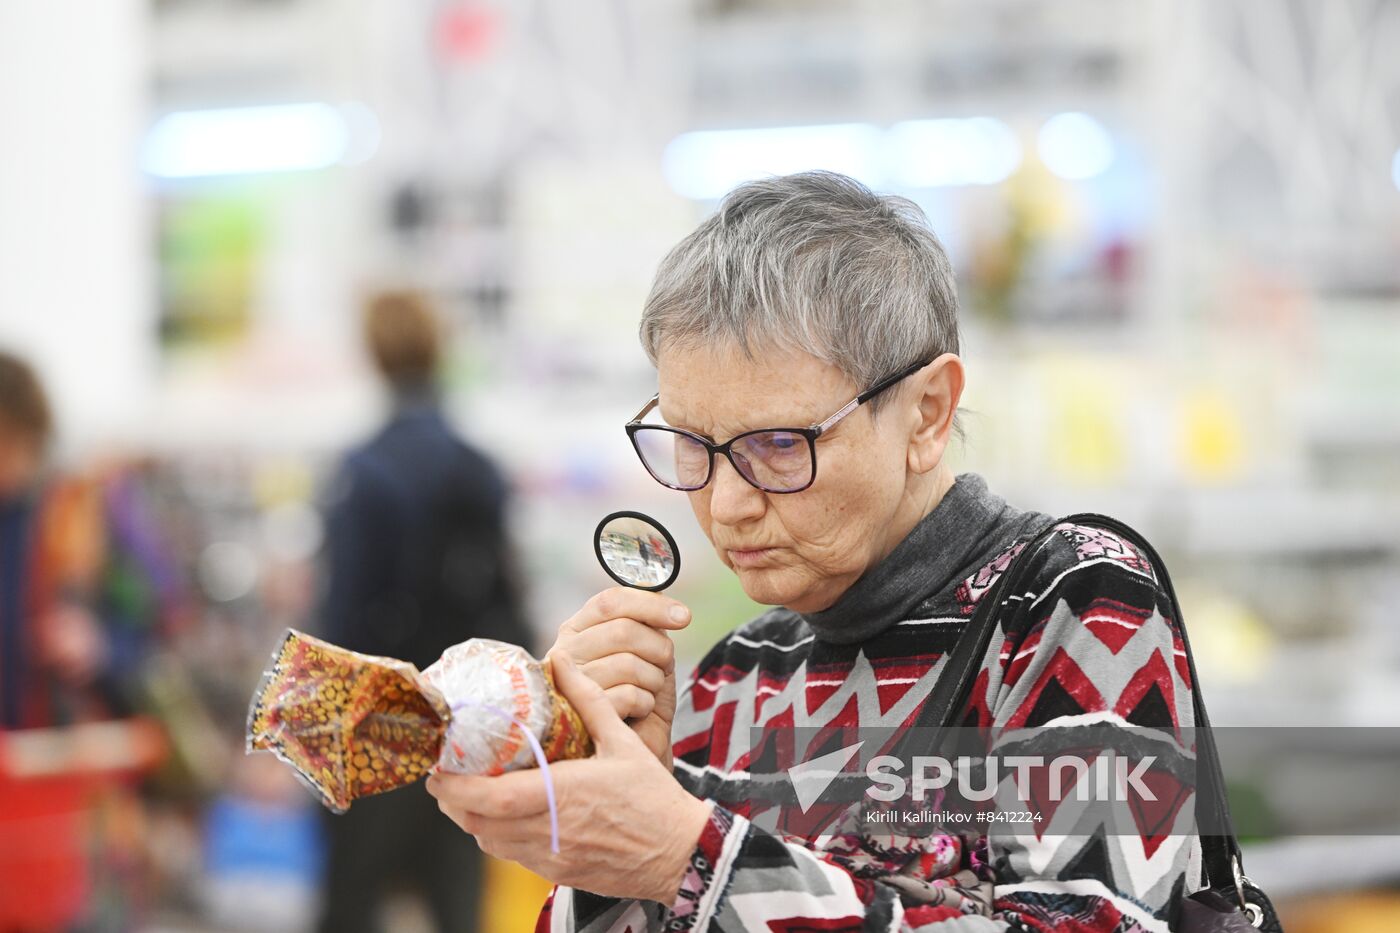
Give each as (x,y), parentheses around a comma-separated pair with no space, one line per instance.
(768,585)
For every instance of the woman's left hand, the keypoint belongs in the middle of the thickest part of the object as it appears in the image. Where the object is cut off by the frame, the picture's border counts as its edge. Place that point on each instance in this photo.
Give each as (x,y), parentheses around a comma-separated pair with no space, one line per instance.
(626,826)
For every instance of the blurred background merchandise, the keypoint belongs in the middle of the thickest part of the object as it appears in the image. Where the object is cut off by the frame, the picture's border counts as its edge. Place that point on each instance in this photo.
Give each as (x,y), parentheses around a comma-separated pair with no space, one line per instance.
(1176,225)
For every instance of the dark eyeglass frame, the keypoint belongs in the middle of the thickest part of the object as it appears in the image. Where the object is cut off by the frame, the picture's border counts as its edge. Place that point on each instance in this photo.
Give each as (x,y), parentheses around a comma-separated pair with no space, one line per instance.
(811,432)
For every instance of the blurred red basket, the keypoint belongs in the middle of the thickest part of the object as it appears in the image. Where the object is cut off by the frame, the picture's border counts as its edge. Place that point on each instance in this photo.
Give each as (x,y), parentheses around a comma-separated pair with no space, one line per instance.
(48,779)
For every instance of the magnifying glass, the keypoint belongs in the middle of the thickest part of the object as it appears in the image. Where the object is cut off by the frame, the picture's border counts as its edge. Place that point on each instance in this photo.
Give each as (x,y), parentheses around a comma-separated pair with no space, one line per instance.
(637,551)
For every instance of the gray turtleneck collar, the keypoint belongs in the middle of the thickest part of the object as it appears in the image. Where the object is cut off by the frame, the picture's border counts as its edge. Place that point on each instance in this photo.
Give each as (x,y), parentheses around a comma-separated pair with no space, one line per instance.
(968,527)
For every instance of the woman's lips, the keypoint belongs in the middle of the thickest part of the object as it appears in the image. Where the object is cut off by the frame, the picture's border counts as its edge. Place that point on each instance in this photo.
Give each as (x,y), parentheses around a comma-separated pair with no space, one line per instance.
(752,558)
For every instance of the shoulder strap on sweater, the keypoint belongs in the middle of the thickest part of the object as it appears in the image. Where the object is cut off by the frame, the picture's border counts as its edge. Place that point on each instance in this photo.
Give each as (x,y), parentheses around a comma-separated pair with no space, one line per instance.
(944,707)
(953,687)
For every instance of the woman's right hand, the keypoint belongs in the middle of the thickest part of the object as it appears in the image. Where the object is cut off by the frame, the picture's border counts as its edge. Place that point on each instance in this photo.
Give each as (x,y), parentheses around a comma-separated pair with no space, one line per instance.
(618,639)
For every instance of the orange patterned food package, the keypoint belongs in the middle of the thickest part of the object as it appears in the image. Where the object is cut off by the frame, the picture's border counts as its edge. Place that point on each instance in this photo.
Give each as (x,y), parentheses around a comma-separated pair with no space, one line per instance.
(352,724)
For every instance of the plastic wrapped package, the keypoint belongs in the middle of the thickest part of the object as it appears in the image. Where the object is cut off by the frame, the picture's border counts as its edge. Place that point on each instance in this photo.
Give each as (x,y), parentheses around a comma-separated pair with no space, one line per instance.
(353,724)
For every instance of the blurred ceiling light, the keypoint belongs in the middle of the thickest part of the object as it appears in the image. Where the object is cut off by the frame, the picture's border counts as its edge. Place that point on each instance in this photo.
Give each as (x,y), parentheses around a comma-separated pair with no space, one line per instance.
(1075,146)
(1395,169)
(363,128)
(938,153)
(707,164)
(253,140)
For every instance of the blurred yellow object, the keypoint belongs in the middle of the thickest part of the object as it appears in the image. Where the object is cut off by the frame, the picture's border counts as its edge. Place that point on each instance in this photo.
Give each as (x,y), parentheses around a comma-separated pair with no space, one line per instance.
(281,480)
(1351,912)
(1046,204)
(1232,643)
(514,896)
(1089,398)
(1211,436)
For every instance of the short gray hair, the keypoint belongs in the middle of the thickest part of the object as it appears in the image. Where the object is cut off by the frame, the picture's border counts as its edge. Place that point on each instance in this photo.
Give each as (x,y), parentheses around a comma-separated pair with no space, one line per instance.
(816,262)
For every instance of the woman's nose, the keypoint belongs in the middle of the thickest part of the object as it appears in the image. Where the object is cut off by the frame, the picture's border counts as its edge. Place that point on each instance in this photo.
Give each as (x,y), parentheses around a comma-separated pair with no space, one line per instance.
(733,498)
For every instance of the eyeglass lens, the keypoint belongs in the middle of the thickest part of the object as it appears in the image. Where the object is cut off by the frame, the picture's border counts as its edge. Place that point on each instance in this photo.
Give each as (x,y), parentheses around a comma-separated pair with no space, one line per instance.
(775,461)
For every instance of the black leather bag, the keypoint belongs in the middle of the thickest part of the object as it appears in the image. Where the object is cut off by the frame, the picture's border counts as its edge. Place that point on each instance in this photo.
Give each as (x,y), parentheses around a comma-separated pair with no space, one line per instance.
(1230,902)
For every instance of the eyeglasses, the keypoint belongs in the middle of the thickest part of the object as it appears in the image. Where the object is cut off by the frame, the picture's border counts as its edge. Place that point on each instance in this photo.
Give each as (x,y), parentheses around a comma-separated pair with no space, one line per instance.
(772,459)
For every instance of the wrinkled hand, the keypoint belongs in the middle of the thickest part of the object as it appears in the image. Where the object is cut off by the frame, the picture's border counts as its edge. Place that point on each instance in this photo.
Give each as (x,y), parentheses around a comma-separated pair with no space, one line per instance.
(619,640)
(626,827)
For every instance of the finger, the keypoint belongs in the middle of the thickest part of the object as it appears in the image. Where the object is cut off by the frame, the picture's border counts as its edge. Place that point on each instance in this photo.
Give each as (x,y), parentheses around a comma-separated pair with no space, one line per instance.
(455,815)
(645,606)
(623,668)
(608,730)
(513,830)
(490,848)
(630,701)
(514,795)
(507,850)
(621,636)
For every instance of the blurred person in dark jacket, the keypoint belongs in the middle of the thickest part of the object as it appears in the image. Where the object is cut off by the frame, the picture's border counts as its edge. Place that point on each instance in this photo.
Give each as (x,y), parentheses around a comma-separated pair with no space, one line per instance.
(417,559)
(53,651)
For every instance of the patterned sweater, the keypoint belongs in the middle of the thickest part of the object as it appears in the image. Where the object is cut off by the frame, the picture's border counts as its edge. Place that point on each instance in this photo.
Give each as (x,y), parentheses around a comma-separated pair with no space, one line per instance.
(1091,641)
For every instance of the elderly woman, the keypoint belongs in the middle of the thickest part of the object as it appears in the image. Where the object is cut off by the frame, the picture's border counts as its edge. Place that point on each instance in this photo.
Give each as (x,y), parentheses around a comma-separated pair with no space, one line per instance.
(805,339)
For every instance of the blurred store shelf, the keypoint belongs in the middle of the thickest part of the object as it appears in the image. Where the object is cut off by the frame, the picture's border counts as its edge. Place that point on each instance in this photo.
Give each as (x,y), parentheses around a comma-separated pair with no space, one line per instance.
(1342,524)
(1324,864)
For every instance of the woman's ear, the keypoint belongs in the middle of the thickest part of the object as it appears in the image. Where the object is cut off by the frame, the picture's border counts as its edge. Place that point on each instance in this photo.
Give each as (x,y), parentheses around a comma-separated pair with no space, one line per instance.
(935,393)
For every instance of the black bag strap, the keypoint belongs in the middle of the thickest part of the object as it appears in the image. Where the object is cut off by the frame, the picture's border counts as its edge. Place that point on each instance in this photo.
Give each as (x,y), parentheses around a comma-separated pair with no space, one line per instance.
(1220,850)
(951,691)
